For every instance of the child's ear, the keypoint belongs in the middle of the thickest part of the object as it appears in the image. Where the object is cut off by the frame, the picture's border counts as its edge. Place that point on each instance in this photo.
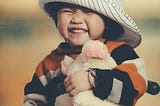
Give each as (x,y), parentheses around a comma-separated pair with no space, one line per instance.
(65,64)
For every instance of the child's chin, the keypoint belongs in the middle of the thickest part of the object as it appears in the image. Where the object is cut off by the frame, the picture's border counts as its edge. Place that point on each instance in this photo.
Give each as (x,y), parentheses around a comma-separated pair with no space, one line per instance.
(76,44)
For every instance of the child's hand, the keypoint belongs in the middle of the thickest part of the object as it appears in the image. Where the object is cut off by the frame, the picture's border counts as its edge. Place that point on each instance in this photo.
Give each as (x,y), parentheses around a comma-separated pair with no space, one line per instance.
(77,82)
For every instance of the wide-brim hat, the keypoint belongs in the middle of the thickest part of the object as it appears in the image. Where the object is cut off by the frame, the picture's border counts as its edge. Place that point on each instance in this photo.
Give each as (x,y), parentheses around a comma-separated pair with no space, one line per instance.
(112,9)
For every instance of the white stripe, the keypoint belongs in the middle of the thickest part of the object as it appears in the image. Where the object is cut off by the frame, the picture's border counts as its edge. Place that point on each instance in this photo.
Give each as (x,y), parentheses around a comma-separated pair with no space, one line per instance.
(86,3)
(140,67)
(110,3)
(78,2)
(91,5)
(52,73)
(101,9)
(30,103)
(120,3)
(57,72)
(83,3)
(96,5)
(116,91)
(107,10)
(34,97)
(43,80)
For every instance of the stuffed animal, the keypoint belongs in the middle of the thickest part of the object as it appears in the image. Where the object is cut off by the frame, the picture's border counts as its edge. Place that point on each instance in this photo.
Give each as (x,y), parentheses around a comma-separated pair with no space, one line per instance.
(94,55)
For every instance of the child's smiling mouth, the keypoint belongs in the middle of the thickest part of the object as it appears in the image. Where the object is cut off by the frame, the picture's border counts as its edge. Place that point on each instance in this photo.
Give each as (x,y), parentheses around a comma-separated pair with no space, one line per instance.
(77,30)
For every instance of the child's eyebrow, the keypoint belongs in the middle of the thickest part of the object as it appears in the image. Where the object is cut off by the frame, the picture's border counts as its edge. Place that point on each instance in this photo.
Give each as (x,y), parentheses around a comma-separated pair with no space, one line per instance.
(74,7)
(85,10)
(89,10)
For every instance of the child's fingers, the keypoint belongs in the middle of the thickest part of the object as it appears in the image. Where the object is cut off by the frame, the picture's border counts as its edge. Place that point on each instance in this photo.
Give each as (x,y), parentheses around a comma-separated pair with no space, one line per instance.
(70,88)
(67,82)
(73,92)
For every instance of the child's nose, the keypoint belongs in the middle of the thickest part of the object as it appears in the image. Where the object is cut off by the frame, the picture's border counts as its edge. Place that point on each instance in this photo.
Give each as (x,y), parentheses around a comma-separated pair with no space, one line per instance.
(77,18)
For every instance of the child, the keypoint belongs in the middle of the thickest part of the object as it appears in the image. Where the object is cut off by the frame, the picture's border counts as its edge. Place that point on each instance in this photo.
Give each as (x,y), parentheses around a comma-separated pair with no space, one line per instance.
(78,21)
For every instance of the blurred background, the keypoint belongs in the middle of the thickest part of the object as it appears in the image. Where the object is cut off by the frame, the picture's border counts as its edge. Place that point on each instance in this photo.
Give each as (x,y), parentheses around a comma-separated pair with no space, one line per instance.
(27,35)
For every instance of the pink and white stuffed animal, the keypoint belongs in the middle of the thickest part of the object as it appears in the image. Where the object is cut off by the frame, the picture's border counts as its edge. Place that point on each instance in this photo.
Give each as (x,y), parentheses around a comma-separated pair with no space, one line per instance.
(94,55)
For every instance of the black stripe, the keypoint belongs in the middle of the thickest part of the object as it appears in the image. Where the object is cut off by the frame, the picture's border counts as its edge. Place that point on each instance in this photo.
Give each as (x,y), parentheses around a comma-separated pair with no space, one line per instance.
(54,88)
(35,86)
(123,53)
(67,53)
(104,82)
(128,92)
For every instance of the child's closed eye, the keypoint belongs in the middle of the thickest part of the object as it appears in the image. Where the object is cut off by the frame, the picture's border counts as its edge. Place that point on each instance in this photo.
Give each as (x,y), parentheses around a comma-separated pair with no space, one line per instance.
(66,10)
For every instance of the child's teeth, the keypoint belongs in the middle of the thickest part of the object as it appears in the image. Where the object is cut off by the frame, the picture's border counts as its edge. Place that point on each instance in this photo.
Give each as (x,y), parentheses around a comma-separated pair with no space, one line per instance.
(78,31)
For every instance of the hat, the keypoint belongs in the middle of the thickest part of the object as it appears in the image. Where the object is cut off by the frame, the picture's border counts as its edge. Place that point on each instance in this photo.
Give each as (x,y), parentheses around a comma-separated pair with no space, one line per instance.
(112,9)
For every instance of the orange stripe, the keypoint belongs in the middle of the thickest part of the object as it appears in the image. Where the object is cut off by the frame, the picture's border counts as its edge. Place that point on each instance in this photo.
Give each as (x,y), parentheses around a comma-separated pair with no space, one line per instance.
(102,39)
(112,45)
(137,80)
(51,62)
(39,70)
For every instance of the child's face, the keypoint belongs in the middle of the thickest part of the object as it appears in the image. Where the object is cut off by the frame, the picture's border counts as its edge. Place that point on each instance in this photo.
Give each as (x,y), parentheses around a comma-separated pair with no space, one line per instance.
(78,25)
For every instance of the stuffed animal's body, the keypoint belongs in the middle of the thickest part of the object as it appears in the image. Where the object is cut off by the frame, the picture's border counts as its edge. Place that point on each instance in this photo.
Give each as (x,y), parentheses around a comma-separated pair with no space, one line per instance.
(94,55)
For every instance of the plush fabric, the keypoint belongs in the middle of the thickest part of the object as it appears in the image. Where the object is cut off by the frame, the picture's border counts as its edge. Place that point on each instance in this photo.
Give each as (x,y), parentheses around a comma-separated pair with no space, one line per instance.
(94,55)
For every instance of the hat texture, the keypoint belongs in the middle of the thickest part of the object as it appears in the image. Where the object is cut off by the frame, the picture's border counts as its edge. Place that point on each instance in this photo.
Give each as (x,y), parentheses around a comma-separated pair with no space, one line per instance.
(112,9)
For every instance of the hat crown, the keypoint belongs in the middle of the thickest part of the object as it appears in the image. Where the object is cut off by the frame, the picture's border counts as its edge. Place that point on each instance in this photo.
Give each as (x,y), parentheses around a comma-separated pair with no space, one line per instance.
(119,2)
(116,3)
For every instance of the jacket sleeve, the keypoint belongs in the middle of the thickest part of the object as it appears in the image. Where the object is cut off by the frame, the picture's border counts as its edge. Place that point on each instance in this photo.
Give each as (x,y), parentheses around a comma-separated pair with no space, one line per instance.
(46,83)
(126,82)
(34,93)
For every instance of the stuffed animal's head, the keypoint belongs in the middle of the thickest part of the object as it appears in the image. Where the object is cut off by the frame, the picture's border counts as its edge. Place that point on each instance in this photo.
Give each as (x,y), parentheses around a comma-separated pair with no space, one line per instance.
(94,49)
(94,55)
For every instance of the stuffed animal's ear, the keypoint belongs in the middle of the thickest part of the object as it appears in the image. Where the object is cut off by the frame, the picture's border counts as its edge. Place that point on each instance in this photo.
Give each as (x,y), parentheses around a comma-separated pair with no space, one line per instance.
(94,49)
(65,64)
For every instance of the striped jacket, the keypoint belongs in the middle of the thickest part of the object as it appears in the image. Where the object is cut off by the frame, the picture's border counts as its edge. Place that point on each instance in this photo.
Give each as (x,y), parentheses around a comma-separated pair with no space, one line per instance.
(124,84)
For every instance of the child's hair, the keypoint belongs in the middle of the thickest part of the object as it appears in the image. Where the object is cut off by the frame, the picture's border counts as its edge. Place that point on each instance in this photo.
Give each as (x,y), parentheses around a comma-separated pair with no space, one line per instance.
(112,32)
